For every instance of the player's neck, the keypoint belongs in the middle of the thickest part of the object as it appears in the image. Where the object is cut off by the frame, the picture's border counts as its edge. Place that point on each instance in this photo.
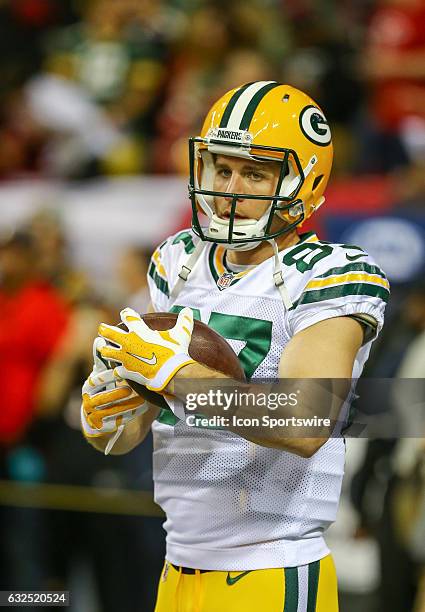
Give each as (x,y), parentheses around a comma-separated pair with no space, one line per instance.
(262,252)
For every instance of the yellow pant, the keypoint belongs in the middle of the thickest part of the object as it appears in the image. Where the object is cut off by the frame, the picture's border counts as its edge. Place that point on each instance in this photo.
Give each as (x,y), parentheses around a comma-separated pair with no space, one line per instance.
(307,588)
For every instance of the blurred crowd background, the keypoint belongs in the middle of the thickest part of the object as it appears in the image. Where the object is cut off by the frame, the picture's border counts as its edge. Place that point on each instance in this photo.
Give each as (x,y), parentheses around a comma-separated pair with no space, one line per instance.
(97,100)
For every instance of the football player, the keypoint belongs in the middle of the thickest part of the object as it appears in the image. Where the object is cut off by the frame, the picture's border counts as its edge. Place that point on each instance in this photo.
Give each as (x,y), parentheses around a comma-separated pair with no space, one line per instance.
(245,515)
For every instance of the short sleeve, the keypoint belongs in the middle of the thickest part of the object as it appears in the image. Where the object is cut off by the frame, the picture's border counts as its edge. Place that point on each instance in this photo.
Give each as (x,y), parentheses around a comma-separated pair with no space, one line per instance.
(158,281)
(347,290)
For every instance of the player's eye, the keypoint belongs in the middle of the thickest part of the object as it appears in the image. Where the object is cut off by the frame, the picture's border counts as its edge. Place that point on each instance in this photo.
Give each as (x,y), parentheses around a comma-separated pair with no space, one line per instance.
(224,172)
(255,176)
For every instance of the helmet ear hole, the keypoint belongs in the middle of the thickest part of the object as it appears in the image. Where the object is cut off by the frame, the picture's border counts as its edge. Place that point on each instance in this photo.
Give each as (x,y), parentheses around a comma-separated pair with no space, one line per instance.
(317,181)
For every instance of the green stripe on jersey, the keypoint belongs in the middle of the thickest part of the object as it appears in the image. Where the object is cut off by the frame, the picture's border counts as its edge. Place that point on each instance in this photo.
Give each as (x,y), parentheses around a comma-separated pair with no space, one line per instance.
(313,584)
(211,262)
(167,417)
(186,238)
(291,589)
(160,282)
(356,267)
(253,104)
(196,311)
(231,105)
(331,293)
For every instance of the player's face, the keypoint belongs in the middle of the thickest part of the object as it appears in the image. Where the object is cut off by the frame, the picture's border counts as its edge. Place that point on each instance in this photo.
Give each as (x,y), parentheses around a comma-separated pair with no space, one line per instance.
(238,175)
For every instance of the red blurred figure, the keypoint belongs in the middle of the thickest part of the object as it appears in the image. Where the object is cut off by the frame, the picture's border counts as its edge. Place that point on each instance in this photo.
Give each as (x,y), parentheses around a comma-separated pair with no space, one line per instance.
(35,13)
(395,62)
(33,318)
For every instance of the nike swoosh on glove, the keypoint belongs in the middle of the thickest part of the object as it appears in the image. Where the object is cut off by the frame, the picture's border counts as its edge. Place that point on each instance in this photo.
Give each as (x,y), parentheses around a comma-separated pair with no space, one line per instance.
(148,357)
(107,408)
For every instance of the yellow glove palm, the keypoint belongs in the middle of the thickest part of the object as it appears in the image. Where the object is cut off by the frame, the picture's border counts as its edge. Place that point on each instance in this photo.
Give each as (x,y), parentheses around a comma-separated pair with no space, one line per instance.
(106,408)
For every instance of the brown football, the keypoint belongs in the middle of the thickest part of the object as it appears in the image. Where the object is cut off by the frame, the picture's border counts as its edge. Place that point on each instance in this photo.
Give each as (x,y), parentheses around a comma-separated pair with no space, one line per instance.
(206,347)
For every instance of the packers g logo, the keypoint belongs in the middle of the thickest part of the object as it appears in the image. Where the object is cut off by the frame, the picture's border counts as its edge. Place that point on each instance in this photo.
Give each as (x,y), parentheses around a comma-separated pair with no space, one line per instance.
(314,126)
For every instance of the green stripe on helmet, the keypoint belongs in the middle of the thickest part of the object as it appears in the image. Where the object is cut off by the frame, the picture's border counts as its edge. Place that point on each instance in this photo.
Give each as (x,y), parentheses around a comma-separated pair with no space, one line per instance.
(231,105)
(253,104)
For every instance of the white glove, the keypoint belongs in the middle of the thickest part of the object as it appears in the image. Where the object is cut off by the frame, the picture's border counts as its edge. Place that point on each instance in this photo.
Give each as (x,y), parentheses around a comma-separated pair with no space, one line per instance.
(148,357)
(107,406)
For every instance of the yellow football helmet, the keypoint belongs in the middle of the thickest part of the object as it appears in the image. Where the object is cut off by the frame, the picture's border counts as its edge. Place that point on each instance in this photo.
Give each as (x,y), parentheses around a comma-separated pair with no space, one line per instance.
(262,121)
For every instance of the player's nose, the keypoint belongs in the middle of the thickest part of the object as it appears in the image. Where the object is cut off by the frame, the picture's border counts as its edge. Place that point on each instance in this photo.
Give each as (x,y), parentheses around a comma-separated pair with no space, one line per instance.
(235,185)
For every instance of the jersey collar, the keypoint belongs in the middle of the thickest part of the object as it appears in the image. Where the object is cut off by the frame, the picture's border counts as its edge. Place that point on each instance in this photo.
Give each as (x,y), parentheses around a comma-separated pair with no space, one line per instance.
(224,276)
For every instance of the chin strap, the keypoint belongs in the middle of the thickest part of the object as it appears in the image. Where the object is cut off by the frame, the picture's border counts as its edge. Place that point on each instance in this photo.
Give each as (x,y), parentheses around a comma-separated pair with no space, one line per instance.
(187,269)
(278,277)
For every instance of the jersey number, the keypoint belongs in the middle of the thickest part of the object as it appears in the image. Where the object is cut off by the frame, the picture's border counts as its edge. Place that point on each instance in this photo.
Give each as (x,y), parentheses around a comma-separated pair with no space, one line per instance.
(306,255)
(256,334)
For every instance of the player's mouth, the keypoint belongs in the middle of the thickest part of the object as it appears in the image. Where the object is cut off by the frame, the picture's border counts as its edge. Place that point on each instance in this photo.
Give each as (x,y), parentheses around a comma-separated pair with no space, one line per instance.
(226,215)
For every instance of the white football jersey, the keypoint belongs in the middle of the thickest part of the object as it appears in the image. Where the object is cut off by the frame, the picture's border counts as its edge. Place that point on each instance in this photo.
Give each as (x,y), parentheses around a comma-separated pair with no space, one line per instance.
(232,504)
